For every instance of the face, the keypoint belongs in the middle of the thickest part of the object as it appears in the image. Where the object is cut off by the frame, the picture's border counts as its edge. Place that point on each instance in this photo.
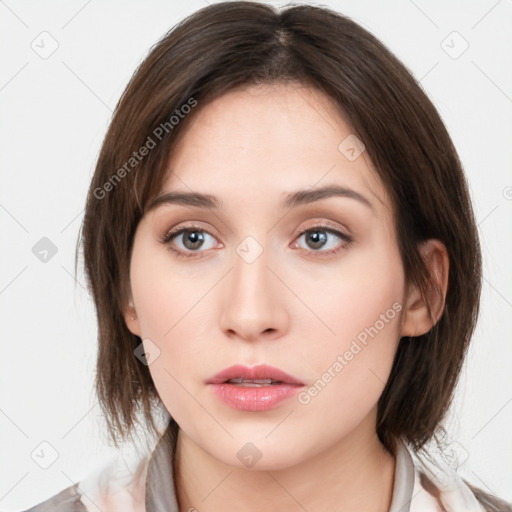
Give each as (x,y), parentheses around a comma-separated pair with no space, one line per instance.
(313,287)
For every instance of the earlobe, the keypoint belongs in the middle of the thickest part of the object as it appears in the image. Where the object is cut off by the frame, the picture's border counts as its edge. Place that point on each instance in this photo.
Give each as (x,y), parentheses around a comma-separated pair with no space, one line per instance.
(130,318)
(416,320)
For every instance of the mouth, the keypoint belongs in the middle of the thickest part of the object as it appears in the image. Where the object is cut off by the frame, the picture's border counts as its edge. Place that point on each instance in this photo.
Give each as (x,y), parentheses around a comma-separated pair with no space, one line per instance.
(255,389)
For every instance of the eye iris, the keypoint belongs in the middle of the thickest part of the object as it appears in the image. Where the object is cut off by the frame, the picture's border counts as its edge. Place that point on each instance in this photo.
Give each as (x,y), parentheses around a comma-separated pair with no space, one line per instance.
(317,237)
(194,237)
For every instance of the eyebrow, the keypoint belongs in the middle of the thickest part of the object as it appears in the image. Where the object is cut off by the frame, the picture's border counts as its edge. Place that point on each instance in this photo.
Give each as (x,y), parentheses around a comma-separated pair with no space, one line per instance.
(293,199)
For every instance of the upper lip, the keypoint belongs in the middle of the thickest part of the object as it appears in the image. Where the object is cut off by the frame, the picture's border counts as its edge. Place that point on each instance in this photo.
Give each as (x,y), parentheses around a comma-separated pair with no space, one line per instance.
(261,371)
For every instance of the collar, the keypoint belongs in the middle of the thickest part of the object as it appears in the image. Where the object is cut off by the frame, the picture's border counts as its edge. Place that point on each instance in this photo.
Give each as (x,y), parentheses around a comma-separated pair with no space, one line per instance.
(161,496)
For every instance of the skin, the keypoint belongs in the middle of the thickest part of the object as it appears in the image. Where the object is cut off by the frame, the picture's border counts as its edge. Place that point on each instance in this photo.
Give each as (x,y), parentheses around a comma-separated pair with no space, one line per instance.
(293,307)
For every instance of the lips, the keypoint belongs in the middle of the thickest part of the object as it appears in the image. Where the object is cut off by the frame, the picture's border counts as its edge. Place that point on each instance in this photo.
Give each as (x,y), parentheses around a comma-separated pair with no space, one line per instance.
(256,389)
(261,375)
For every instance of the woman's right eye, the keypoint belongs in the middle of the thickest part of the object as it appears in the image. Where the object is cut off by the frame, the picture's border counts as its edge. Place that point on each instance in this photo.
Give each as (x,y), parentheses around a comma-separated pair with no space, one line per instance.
(188,240)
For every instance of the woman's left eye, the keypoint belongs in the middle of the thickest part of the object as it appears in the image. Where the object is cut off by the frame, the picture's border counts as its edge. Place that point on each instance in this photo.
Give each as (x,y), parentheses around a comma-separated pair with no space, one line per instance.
(194,238)
(325,238)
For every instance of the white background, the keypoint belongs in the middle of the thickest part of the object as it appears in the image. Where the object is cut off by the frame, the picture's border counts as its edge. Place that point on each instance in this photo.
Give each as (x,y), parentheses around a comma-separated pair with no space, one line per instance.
(55,112)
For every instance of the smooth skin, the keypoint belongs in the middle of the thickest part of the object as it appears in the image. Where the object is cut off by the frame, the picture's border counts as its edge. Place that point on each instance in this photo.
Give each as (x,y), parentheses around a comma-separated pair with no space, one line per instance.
(294,307)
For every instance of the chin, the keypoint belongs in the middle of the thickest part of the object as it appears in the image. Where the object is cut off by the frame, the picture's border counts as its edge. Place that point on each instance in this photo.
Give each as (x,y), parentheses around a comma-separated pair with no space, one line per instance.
(260,454)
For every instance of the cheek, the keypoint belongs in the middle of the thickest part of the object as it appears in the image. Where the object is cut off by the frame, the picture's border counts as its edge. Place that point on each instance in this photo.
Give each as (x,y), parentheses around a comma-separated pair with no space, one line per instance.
(162,295)
(356,340)
(349,369)
(171,306)
(155,305)
(348,297)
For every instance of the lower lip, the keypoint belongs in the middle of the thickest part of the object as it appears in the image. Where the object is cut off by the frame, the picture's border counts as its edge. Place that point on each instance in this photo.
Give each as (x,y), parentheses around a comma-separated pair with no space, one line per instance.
(255,399)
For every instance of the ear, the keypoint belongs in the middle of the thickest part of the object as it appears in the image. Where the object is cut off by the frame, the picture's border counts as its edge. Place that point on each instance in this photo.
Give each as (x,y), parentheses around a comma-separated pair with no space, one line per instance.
(416,319)
(130,317)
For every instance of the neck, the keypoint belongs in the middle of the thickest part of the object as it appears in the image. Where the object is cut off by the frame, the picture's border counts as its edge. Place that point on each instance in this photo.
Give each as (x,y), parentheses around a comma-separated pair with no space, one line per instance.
(357,473)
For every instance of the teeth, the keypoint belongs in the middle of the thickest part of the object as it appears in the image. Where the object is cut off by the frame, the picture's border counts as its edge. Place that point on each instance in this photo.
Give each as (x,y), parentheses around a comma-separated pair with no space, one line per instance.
(252,382)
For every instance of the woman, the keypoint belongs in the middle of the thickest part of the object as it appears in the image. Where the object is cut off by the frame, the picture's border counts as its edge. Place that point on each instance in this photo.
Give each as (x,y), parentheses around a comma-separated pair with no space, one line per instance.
(283,255)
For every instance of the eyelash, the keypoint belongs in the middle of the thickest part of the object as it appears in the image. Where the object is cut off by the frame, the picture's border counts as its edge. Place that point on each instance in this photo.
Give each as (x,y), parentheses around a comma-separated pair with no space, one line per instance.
(170,235)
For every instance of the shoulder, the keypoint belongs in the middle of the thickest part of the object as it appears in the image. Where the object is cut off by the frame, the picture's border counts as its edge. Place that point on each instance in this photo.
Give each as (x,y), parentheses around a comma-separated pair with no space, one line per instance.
(116,485)
(489,502)
(67,500)
(439,484)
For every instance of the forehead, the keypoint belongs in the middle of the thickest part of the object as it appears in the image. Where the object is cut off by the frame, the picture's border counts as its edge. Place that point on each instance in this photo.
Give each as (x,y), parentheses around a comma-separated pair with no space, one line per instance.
(271,140)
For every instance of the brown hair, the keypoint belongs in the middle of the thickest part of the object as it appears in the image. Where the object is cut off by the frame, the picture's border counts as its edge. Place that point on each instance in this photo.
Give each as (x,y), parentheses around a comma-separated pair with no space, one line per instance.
(233,44)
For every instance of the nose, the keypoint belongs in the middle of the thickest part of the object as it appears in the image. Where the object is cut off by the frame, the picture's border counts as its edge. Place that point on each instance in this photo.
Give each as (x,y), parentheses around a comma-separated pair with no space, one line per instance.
(253,301)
